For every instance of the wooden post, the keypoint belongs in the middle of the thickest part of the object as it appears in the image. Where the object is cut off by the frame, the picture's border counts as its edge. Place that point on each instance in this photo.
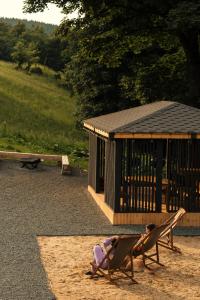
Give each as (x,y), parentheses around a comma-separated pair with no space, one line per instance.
(159,166)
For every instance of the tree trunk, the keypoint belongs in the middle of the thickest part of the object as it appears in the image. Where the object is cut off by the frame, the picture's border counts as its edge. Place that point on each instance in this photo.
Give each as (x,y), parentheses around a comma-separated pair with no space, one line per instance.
(190,43)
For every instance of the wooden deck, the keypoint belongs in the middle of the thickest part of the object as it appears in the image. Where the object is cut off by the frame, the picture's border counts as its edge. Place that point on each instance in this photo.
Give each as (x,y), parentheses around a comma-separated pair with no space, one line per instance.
(190,219)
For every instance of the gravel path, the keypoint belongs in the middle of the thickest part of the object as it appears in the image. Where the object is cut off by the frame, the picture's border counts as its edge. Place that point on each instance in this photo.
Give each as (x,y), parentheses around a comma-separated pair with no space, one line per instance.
(42,202)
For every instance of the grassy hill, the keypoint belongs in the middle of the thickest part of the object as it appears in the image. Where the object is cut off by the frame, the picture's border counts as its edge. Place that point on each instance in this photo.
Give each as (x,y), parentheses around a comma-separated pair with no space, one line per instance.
(36,115)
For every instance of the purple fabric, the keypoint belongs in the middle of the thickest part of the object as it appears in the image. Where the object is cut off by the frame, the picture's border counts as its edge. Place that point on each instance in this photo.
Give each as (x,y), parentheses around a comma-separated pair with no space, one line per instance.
(108,241)
(99,253)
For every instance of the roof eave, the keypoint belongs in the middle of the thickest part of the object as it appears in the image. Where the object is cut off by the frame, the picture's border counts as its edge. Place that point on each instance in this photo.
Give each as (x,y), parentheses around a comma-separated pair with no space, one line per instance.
(161,135)
(97,130)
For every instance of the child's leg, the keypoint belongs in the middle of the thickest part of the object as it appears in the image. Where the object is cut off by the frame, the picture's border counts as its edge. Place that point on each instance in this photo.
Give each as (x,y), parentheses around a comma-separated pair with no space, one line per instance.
(99,256)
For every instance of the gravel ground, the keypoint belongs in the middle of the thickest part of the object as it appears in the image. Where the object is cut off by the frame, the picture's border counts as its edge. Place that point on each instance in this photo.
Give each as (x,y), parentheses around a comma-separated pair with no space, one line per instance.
(42,202)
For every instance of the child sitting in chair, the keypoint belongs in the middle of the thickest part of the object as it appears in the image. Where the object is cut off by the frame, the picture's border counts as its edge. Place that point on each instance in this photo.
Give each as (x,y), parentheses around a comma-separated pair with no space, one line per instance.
(148,229)
(139,262)
(99,253)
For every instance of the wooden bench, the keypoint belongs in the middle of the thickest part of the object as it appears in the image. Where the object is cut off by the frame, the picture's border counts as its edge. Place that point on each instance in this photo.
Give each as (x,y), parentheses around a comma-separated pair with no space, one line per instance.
(66,169)
(29,163)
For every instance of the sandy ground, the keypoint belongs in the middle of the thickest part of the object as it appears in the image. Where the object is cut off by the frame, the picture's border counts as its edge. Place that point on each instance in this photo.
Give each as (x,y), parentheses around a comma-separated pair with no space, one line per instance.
(66,259)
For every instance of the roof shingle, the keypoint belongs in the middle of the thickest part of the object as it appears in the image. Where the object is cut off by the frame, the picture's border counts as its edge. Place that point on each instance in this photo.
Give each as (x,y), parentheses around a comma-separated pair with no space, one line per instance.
(158,117)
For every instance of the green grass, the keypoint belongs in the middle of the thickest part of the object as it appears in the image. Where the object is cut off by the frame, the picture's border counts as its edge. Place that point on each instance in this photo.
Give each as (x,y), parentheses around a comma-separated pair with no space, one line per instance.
(36,115)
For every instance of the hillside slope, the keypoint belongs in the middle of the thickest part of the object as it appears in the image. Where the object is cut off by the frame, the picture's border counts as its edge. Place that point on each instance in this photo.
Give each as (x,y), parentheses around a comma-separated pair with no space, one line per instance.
(35,114)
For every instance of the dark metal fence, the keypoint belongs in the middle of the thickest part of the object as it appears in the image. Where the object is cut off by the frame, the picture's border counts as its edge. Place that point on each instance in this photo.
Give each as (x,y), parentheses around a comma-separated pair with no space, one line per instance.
(92,168)
(96,163)
(101,163)
(146,175)
(110,174)
(141,175)
(183,168)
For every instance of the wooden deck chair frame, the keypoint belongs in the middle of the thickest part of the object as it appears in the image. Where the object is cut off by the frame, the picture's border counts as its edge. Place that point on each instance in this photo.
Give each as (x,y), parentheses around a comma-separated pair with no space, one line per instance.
(147,243)
(166,239)
(123,248)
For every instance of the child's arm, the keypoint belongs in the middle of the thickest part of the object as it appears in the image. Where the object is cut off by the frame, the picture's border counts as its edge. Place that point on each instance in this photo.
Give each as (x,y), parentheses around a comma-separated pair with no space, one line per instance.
(107,242)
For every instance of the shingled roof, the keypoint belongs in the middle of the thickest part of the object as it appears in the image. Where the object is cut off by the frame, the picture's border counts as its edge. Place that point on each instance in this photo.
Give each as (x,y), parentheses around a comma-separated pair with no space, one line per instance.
(163,117)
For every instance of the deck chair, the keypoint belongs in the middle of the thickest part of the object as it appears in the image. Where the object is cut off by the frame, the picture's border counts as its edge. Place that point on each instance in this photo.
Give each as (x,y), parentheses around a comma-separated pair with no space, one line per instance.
(148,242)
(123,247)
(166,237)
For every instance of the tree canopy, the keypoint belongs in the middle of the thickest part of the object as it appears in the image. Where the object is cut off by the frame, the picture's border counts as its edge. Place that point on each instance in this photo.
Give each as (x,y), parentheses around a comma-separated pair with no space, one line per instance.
(28,44)
(123,53)
(47,28)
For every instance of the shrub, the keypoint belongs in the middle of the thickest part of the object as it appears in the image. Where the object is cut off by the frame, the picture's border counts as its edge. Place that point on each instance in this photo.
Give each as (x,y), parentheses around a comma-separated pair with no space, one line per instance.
(57,76)
(36,70)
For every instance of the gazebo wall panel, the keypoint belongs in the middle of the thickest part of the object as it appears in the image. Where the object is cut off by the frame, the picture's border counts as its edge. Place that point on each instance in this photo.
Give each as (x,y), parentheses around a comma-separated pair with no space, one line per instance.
(110,148)
(184,175)
(93,166)
(141,175)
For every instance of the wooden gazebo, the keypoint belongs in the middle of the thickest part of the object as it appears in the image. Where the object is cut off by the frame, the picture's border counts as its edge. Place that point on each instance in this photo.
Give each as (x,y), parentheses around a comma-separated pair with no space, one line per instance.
(145,163)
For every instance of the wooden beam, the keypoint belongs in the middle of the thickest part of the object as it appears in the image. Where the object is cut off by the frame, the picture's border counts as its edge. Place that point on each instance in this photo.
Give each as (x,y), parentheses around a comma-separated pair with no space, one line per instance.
(156,136)
(88,126)
(102,133)
(99,199)
(18,155)
(96,130)
(190,219)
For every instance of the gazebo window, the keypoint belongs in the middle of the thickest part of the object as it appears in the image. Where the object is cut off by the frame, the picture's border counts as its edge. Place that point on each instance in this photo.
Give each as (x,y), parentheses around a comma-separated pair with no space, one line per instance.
(141,175)
(184,175)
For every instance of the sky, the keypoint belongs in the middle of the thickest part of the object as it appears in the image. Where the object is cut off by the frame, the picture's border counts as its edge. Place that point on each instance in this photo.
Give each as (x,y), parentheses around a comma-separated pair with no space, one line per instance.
(13,9)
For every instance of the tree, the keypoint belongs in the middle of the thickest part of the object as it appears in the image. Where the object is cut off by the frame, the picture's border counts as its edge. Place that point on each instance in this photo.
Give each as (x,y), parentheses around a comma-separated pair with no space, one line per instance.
(184,21)
(18,29)
(130,52)
(19,54)
(31,44)
(6,41)
(25,54)
(32,55)
(54,54)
